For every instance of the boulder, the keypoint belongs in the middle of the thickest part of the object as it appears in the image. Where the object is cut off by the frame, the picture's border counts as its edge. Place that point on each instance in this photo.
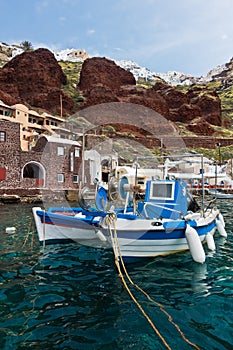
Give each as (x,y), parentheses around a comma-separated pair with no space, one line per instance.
(201,127)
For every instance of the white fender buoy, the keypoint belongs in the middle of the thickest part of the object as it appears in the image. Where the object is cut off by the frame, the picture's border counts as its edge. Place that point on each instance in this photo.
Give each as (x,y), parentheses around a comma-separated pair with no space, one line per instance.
(210,241)
(195,245)
(101,236)
(10,229)
(220,228)
(220,216)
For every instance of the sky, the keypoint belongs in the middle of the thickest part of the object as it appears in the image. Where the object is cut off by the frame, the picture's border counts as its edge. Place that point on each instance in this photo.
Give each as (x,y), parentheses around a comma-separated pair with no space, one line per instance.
(189,36)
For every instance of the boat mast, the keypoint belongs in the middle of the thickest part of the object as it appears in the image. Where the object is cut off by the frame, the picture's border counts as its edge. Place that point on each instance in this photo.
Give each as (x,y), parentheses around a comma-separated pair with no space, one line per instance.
(202,182)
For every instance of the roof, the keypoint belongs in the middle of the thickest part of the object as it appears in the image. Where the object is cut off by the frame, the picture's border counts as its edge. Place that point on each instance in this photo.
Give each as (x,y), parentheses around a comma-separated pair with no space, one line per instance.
(61,140)
(47,115)
(31,112)
(4,105)
(21,107)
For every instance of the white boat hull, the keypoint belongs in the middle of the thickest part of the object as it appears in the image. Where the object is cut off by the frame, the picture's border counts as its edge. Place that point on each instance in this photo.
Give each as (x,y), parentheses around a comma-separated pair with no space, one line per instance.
(63,230)
(142,238)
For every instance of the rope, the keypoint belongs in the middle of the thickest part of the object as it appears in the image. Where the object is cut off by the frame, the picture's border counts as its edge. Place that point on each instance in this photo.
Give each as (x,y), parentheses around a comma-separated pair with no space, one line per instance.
(111,220)
(30,231)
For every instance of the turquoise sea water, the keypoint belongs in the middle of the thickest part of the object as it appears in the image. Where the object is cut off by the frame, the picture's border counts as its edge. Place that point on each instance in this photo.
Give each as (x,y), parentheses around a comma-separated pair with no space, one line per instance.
(71,297)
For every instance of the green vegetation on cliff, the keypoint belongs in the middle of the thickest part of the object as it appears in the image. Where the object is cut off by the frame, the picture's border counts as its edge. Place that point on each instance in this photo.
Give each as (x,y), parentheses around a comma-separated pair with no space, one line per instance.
(72,71)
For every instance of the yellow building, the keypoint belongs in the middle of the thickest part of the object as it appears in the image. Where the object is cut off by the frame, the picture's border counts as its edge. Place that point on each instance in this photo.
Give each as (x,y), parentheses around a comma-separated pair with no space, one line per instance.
(33,124)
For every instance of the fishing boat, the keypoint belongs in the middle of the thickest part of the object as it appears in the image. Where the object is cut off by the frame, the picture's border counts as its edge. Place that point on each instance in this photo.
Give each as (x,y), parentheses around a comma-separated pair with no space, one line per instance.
(167,221)
(220,194)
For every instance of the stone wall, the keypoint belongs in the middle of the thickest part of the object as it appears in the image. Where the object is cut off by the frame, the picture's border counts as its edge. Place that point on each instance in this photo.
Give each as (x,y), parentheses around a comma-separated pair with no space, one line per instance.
(44,158)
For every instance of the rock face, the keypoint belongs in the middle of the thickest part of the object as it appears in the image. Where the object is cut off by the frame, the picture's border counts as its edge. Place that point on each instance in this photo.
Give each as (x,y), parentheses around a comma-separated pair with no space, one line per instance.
(103,72)
(102,81)
(209,103)
(35,78)
(201,127)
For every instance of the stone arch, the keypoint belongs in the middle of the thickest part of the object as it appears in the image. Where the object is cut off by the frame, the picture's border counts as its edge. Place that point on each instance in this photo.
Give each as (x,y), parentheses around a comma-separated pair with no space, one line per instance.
(34,170)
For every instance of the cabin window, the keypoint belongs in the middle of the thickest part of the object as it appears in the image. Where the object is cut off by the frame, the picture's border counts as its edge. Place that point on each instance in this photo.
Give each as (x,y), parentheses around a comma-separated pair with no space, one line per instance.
(60,151)
(60,177)
(2,136)
(75,179)
(161,190)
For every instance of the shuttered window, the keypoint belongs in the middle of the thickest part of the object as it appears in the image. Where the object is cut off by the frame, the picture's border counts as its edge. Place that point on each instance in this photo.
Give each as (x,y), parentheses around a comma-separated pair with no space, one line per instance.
(2,173)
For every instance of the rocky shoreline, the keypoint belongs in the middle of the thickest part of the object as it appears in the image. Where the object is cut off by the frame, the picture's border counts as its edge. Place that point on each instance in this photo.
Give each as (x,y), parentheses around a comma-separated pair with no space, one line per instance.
(58,196)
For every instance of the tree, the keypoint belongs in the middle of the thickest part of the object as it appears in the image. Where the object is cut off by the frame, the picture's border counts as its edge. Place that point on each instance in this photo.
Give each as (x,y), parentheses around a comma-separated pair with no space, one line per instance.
(26,45)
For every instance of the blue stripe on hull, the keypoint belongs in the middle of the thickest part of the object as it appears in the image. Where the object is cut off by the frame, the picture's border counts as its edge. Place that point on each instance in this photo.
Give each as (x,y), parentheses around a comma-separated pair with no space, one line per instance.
(65,221)
(162,234)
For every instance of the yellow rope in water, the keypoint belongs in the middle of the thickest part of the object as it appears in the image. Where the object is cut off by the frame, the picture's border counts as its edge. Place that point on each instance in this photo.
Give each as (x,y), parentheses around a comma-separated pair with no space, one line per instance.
(111,220)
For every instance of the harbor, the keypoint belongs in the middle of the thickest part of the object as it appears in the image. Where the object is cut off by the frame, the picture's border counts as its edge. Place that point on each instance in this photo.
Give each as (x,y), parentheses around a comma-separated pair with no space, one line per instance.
(71,296)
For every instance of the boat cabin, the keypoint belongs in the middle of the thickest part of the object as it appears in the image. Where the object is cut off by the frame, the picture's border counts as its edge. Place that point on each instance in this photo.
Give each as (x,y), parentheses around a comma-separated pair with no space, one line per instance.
(164,199)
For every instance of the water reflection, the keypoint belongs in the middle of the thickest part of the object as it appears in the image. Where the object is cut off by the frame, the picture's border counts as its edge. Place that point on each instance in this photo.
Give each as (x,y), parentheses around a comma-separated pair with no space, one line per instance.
(71,296)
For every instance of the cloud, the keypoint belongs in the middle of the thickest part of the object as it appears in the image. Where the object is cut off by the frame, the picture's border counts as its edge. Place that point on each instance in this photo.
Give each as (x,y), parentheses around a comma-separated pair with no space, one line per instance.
(224,37)
(41,6)
(90,31)
(119,49)
(62,19)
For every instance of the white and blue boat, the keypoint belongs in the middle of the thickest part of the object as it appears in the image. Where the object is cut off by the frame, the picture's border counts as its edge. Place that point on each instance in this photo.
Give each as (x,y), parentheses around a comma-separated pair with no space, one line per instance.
(167,221)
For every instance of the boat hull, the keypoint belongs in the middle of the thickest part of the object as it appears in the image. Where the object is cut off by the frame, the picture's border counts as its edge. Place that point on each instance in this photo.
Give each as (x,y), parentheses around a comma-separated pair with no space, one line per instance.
(143,238)
(61,228)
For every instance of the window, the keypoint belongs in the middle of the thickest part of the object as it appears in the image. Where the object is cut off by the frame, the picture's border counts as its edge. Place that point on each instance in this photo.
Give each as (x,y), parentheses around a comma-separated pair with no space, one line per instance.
(72,161)
(162,190)
(60,177)
(76,152)
(75,179)
(2,136)
(2,173)
(60,151)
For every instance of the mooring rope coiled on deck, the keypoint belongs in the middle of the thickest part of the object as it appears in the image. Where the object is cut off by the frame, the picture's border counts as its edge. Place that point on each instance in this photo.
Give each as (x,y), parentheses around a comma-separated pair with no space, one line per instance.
(110,220)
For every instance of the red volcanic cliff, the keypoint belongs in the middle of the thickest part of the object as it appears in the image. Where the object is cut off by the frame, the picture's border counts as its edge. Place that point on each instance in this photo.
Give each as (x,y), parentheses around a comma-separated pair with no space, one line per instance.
(102,81)
(35,78)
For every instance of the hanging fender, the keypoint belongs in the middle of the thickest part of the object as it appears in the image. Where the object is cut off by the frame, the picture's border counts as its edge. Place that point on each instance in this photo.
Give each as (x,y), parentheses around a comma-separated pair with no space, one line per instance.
(220,217)
(195,245)
(210,241)
(101,236)
(220,228)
